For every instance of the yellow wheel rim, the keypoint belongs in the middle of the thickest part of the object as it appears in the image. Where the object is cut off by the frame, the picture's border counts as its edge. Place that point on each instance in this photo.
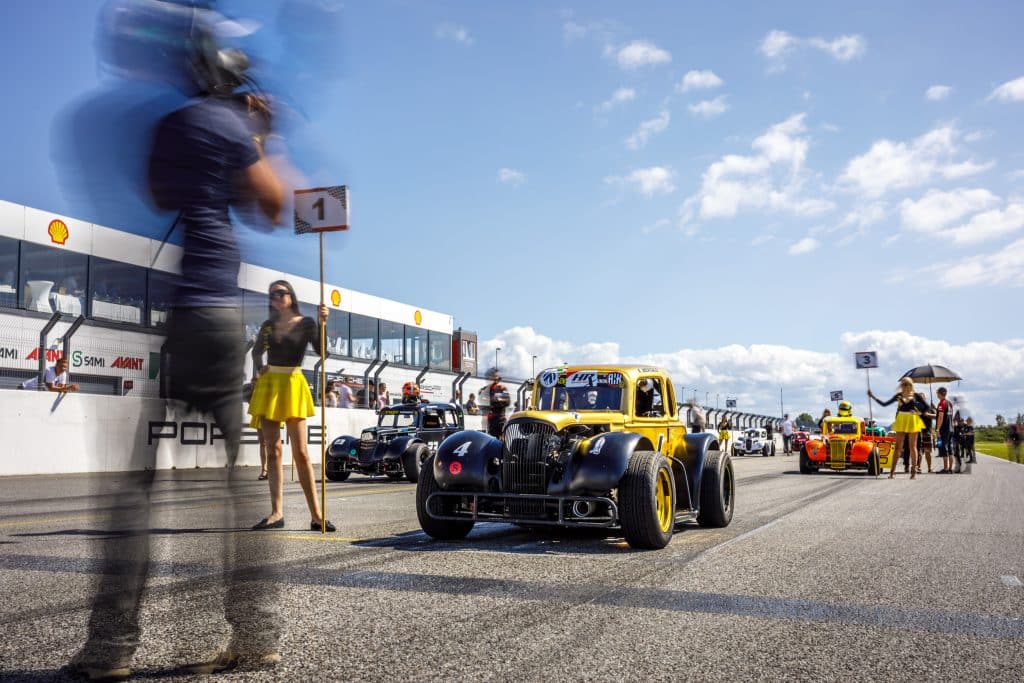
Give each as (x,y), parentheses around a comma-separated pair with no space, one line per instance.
(663,497)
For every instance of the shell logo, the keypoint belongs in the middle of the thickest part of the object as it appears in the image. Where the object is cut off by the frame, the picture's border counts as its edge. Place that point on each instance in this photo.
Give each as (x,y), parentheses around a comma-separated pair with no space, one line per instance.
(418,317)
(335,297)
(57,231)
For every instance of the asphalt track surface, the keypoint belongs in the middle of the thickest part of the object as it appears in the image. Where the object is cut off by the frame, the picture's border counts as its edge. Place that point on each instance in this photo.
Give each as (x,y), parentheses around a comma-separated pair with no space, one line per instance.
(832,577)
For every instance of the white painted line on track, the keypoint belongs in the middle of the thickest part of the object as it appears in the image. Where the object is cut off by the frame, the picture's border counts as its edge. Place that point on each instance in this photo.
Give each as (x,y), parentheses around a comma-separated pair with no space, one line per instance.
(1011,581)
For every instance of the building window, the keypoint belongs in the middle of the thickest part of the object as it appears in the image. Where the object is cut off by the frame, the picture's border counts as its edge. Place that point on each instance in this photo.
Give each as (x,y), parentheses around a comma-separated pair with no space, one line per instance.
(440,351)
(255,310)
(469,350)
(337,332)
(52,279)
(415,347)
(161,293)
(391,341)
(117,291)
(364,336)
(8,272)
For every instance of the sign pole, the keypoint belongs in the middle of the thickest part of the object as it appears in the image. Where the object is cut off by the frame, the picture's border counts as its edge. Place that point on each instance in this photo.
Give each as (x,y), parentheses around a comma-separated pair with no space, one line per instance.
(323,398)
(871,412)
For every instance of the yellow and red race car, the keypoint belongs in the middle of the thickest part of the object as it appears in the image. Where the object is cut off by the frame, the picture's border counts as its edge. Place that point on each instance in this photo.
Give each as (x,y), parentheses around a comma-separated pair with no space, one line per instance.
(845,444)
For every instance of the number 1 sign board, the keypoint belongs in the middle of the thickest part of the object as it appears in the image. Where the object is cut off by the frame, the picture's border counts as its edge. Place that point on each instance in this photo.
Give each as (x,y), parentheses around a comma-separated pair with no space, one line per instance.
(321,209)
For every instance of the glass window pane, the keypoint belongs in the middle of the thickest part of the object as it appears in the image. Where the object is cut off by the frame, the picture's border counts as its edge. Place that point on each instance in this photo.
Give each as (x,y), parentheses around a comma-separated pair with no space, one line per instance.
(52,279)
(440,351)
(117,291)
(337,332)
(391,341)
(161,294)
(255,309)
(364,336)
(8,272)
(415,347)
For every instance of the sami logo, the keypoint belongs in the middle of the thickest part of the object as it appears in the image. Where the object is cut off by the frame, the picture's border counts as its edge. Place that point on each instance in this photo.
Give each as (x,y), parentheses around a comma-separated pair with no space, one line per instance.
(58,231)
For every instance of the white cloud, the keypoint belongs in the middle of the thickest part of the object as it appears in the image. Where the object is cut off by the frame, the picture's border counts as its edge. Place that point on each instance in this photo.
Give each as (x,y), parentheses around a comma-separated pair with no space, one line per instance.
(572,31)
(937,92)
(804,246)
(1011,91)
(770,179)
(989,225)
(649,181)
(618,97)
(754,373)
(699,80)
(865,215)
(510,176)
(761,239)
(641,53)
(892,165)
(648,128)
(842,49)
(709,109)
(937,210)
(453,32)
(777,45)
(1004,268)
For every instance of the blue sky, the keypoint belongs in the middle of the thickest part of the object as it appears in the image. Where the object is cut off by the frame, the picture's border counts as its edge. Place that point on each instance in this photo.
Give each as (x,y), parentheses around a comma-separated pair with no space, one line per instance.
(744,193)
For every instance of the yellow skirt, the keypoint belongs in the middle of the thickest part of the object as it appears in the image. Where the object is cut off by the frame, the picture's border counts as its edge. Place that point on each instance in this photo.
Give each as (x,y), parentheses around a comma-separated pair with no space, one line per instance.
(908,423)
(723,435)
(280,394)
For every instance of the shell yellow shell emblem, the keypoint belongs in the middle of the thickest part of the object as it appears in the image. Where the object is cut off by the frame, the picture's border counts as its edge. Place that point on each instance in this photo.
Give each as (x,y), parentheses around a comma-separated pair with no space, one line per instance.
(57,231)
(335,297)
(418,317)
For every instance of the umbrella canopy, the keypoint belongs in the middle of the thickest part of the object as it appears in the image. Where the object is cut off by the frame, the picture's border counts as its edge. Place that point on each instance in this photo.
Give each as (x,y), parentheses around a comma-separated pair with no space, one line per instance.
(930,374)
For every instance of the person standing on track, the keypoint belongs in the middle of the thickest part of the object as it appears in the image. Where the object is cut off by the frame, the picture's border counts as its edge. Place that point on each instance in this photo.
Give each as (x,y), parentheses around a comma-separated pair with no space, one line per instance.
(787,434)
(908,420)
(282,394)
(499,400)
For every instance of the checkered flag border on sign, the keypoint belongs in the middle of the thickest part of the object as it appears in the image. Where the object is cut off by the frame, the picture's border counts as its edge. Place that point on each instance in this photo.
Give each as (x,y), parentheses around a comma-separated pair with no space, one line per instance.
(339,193)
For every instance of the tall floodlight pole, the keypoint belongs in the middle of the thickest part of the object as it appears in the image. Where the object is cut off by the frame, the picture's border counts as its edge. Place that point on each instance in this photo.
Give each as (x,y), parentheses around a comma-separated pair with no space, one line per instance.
(782,406)
(533,367)
(320,210)
(496,358)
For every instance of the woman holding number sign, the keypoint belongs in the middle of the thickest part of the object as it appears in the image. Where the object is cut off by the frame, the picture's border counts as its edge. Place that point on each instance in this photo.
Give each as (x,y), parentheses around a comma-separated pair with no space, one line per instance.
(908,425)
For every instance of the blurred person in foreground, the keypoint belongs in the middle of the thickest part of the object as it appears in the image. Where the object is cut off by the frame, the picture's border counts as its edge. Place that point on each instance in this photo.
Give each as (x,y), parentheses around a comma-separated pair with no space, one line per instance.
(206,157)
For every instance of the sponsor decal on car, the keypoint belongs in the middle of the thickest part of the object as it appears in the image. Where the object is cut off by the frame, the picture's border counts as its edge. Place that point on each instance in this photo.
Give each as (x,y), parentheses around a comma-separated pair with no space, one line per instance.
(455,467)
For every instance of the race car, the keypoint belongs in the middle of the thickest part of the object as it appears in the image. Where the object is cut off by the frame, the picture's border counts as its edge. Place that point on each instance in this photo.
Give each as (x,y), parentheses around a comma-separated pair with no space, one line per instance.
(600,446)
(405,435)
(845,444)
(753,441)
(798,440)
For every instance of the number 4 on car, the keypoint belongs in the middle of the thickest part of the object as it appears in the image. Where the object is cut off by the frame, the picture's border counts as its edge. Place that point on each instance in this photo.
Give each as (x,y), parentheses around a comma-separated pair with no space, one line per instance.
(599,446)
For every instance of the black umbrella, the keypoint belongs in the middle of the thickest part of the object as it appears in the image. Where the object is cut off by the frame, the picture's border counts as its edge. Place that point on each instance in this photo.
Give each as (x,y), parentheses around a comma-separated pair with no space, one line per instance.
(930,374)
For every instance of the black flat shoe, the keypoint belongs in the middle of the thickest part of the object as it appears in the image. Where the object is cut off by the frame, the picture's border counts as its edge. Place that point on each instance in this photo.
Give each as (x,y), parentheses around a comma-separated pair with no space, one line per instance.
(264,524)
(315,526)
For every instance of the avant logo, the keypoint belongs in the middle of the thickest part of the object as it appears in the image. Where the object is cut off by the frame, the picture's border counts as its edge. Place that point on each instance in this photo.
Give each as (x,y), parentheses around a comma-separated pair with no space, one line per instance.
(127,362)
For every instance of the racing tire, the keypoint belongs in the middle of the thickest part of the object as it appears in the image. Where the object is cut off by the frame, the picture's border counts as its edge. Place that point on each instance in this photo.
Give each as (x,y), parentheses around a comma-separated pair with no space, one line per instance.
(647,497)
(441,529)
(805,463)
(765,452)
(735,453)
(338,476)
(717,491)
(773,449)
(413,461)
(874,469)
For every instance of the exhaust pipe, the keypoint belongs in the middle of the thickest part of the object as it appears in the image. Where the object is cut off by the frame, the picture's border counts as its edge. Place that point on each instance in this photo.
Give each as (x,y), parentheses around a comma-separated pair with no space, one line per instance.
(582,508)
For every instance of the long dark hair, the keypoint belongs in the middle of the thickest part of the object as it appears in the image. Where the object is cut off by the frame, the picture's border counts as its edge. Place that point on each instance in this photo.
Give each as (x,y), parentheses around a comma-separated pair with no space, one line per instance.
(291,291)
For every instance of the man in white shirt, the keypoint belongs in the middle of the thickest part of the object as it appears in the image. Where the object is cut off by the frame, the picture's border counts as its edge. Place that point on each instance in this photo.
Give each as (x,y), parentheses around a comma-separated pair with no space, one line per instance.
(787,434)
(55,378)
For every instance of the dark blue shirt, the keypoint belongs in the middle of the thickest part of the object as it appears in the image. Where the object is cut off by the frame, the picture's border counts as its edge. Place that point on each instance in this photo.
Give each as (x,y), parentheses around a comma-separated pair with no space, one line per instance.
(199,154)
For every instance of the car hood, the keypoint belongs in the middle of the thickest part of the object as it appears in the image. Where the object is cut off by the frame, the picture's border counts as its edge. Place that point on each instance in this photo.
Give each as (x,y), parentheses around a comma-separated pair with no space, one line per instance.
(560,420)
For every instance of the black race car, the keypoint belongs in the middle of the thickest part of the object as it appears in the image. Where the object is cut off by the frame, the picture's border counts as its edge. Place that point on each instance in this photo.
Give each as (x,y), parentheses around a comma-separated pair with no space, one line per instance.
(405,436)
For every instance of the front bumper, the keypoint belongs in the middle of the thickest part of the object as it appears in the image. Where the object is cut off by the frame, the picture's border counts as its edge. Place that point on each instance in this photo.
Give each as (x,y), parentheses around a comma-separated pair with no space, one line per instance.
(509,507)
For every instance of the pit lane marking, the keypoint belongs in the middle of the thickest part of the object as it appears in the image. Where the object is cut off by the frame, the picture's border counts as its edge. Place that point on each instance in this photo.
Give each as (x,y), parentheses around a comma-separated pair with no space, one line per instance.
(1011,581)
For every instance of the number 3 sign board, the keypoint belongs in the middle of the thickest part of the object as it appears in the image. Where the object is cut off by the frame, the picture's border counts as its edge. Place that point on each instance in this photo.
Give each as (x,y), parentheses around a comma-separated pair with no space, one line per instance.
(321,209)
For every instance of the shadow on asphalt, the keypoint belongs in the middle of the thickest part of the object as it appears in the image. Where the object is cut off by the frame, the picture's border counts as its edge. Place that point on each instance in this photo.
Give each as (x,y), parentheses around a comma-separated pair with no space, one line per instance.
(102,533)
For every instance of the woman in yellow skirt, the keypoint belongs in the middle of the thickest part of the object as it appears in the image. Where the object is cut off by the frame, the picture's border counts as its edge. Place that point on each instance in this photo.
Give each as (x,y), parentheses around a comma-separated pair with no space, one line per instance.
(282,394)
(723,435)
(908,421)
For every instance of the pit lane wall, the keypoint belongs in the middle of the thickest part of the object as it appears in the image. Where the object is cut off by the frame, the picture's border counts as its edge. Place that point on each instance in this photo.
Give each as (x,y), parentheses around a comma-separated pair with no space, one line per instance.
(49,433)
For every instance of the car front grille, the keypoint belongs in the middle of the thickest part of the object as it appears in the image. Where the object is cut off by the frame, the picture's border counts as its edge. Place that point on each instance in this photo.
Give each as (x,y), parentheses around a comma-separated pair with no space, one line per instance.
(837,453)
(366,452)
(523,469)
(749,445)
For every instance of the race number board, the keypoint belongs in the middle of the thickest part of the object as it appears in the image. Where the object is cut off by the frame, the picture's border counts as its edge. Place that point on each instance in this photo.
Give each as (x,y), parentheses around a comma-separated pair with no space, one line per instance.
(837,396)
(866,359)
(321,209)
(730,403)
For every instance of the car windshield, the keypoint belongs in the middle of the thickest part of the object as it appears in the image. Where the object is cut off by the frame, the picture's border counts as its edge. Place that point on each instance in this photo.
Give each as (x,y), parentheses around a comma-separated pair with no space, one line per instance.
(842,428)
(392,417)
(580,398)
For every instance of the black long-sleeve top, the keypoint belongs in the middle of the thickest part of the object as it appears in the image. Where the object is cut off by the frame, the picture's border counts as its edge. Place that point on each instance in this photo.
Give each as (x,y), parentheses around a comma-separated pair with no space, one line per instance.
(289,350)
(904,405)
